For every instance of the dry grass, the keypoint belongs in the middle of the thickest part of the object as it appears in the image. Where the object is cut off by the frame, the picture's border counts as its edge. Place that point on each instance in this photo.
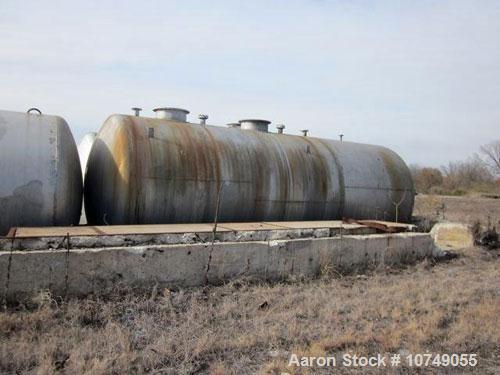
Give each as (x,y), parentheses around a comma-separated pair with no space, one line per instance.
(444,308)
(244,327)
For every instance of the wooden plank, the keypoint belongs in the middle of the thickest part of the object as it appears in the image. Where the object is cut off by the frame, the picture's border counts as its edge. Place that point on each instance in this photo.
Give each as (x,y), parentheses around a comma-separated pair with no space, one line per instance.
(151,229)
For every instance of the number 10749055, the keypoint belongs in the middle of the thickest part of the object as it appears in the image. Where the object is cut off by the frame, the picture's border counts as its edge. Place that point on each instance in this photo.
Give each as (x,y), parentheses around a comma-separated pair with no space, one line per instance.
(441,360)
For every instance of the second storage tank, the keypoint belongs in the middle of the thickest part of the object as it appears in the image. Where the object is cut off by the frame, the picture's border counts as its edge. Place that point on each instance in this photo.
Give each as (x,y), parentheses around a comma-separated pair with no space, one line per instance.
(145,170)
(40,175)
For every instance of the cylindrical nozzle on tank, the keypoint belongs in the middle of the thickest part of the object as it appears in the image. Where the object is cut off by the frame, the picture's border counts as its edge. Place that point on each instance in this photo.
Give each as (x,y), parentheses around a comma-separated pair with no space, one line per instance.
(203,119)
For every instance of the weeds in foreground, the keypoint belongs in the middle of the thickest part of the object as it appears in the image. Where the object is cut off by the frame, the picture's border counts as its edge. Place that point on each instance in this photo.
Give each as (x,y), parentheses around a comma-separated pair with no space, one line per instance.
(249,327)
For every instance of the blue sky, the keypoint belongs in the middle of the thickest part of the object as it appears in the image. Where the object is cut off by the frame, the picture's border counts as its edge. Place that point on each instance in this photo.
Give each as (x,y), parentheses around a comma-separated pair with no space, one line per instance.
(421,77)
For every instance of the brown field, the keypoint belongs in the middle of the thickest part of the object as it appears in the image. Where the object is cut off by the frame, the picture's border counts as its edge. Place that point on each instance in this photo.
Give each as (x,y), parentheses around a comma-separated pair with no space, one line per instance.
(461,209)
(247,327)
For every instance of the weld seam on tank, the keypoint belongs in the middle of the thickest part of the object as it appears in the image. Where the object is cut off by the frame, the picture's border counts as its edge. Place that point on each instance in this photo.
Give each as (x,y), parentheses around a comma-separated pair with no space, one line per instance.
(340,171)
(56,187)
(219,186)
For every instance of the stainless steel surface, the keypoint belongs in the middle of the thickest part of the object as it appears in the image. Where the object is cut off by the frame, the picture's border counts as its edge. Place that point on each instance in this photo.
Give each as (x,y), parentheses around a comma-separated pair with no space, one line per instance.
(258,125)
(175,177)
(40,173)
(84,148)
(168,113)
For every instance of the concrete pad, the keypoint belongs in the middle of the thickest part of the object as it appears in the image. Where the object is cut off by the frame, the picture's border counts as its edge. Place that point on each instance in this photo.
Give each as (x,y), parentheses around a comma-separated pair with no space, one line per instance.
(313,224)
(247,226)
(452,236)
(114,230)
(84,271)
(261,233)
(108,230)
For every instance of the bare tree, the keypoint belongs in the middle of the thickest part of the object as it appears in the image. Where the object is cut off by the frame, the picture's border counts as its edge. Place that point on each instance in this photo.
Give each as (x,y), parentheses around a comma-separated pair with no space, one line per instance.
(491,156)
(425,178)
(466,174)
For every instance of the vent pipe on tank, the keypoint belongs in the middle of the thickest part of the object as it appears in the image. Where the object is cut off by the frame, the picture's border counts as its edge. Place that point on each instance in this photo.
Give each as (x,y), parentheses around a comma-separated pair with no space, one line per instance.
(136,110)
(258,125)
(341,136)
(233,125)
(304,132)
(280,128)
(203,119)
(167,113)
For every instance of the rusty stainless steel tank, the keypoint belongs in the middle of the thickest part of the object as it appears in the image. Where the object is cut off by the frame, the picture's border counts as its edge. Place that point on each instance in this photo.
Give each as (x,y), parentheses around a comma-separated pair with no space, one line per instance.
(40,175)
(145,170)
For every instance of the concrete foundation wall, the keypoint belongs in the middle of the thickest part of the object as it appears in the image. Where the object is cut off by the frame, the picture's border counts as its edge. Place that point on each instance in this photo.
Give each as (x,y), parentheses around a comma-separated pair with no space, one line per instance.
(88,242)
(83,271)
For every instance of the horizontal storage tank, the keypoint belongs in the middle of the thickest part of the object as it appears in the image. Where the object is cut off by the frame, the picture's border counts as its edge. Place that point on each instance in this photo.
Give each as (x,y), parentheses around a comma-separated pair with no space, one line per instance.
(40,175)
(145,170)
